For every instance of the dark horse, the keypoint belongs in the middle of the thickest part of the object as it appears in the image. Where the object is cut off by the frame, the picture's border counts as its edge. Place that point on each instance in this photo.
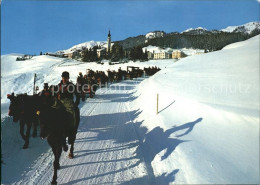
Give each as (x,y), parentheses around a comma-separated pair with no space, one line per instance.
(23,108)
(54,125)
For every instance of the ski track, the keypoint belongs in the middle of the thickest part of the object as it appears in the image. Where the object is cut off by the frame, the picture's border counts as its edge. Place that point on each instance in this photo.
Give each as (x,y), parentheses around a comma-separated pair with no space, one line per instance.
(104,148)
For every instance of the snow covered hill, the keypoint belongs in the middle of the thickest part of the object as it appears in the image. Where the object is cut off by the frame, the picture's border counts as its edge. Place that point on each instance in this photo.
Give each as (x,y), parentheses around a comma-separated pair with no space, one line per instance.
(17,76)
(206,131)
(89,44)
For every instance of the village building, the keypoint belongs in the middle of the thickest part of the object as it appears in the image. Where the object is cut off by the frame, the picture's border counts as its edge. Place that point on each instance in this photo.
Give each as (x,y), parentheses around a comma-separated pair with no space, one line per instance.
(106,48)
(109,42)
(162,55)
(55,54)
(68,55)
(77,54)
(177,54)
(150,55)
(101,52)
(199,53)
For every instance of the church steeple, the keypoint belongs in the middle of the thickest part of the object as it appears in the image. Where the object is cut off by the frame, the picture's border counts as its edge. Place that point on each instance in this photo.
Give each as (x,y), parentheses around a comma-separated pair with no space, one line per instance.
(109,42)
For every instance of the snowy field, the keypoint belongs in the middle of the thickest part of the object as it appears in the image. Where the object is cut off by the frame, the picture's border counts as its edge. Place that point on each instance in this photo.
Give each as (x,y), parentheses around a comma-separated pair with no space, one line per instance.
(206,130)
(17,76)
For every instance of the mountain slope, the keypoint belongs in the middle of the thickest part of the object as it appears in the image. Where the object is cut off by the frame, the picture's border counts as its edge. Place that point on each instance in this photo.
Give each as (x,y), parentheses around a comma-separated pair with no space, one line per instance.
(159,35)
(89,44)
(245,28)
(132,41)
(196,31)
(198,38)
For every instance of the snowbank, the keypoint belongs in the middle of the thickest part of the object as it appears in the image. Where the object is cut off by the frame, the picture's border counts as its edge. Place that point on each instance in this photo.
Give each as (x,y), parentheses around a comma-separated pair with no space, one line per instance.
(207,129)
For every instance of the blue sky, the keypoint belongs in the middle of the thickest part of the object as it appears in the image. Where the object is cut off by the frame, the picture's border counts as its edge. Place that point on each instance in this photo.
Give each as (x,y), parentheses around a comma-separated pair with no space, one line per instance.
(34,26)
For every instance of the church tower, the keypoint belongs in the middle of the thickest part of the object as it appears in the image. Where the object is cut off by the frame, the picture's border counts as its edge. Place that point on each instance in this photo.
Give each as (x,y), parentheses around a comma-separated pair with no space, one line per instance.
(109,42)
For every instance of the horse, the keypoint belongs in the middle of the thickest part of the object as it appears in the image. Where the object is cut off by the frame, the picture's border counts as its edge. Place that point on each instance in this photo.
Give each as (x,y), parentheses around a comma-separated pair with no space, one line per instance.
(55,127)
(23,108)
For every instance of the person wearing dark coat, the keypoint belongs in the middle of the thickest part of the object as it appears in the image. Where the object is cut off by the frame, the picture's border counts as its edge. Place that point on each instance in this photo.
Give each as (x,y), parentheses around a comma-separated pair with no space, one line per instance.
(66,93)
(80,83)
(45,91)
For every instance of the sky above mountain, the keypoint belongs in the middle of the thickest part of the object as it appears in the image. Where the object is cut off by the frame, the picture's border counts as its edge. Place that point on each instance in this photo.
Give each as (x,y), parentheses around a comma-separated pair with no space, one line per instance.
(34,26)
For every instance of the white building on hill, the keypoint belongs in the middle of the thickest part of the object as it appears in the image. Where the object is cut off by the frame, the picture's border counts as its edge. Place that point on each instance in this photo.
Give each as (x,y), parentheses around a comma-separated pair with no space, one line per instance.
(162,55)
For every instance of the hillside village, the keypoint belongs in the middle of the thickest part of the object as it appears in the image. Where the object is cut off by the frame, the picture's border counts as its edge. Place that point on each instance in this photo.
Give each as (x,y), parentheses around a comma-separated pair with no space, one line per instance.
(103,49)
(157,45)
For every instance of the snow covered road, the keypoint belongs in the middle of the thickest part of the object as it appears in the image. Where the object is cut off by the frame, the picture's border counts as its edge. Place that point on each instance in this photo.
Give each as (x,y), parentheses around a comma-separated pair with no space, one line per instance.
(105,149)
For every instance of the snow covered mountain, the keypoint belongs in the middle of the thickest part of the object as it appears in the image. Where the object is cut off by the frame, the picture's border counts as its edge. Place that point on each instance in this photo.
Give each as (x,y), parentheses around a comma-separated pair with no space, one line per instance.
(246,28)
(155,34)
(142,39)
(89,44)
(196,31)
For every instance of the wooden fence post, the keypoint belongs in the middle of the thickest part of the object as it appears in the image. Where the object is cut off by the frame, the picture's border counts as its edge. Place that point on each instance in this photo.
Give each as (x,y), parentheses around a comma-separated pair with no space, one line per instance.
(157,103)
(34,81)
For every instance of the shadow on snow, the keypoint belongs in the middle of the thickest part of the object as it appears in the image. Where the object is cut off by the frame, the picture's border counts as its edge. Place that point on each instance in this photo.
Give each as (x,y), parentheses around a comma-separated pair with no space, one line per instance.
(120,128)
(17,161)
(149,144)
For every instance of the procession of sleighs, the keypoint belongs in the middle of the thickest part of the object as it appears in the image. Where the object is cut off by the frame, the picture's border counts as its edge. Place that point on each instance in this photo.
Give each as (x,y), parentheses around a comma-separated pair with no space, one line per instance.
(57,112)
(89,82)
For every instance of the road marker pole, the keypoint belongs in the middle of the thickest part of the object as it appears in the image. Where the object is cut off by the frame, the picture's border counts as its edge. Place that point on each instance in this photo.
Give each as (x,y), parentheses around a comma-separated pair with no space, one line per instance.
(157,104)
